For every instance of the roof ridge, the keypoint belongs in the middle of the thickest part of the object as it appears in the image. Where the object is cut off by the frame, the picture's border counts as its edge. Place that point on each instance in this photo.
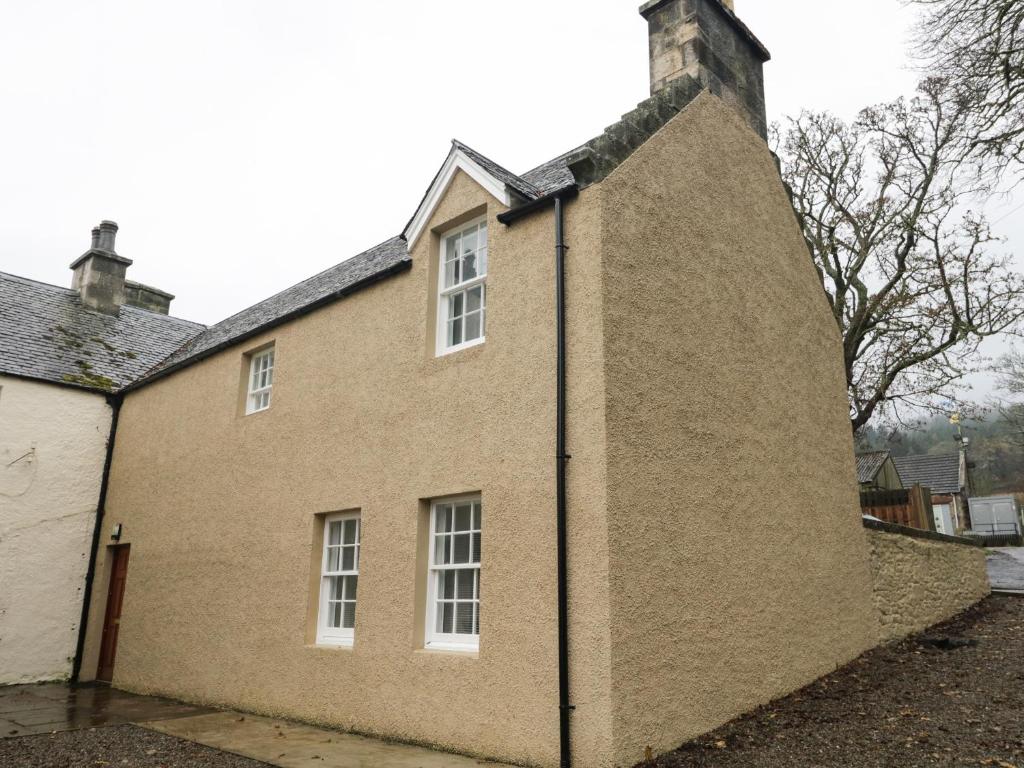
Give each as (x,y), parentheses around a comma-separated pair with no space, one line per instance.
(593,161)
(73,292)
(953,455)
(530,189)
(382,260)
(24,279)
(303,281)
(135,308)
(554,159)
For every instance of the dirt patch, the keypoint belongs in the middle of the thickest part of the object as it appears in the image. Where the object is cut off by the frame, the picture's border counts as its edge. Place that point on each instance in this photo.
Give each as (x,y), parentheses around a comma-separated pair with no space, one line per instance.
(118,746)
(953,695)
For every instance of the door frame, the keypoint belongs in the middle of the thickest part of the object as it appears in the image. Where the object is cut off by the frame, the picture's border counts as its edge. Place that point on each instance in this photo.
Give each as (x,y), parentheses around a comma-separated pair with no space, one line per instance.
(117,555)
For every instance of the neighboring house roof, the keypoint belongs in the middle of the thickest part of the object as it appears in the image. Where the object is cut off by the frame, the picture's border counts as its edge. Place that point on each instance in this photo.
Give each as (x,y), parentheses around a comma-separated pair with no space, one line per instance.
(869,463)
(940,473)
(47,333)
(380,261)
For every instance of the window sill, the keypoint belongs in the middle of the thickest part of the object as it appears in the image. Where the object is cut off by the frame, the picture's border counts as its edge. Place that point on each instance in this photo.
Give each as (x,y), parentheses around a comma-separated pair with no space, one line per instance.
(332,644)
(459,649)
(460,347)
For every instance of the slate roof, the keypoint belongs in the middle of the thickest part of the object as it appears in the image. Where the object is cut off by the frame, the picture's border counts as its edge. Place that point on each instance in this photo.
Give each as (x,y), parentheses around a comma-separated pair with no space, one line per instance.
(940,473)
(553,175)
(47,333)
(521,186)
(387,258)
(869,463)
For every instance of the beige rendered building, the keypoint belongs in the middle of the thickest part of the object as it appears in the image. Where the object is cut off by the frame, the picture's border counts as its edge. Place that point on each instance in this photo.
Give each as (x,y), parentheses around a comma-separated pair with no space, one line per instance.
(342,505)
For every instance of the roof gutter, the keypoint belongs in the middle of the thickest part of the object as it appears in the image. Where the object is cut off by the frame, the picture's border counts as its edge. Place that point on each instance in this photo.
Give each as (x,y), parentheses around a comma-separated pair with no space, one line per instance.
(514,214)
(561,456)
(101,504)
(401,266)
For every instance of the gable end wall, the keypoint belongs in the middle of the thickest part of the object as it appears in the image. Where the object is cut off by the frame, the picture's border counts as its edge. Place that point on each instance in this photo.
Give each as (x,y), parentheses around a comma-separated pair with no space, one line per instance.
(739,567)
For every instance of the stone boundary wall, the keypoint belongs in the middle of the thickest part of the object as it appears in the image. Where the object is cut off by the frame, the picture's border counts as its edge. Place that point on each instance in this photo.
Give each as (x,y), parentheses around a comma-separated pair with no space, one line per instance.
(919,578)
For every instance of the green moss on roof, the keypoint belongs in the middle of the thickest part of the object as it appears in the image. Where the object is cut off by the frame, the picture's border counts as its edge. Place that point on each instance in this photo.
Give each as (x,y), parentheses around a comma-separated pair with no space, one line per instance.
(90,380)
(104,344)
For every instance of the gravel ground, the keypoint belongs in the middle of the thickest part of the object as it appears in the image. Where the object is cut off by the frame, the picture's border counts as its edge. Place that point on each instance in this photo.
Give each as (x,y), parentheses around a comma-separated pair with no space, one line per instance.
(118,746)
(951,697)
(917,703)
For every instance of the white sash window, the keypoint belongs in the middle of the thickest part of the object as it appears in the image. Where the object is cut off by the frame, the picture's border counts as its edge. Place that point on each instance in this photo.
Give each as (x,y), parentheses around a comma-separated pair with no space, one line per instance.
(462,300)
(339,580)
(453,607)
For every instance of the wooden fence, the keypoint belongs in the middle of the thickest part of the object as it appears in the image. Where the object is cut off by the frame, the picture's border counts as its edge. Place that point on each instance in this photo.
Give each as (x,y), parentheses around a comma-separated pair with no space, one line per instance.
(911,507)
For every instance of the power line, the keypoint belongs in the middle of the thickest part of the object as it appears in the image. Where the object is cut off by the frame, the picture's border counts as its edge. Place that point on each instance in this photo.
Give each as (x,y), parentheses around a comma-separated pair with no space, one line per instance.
(1007,215)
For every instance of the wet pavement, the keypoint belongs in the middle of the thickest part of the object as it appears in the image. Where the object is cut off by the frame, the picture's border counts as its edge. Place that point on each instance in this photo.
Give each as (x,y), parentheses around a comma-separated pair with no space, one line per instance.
(293,745)
(49,707)
(52,708)
(1006,568)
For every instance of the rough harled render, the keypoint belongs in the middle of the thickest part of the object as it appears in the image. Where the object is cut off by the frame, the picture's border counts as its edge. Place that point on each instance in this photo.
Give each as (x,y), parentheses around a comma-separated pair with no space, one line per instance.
(737,561)
(52,447)
(918,580)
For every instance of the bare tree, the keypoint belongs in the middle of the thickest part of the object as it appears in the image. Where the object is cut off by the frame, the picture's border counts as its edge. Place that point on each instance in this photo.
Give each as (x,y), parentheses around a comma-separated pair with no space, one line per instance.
(978,46)
(1010,368)
(905,266)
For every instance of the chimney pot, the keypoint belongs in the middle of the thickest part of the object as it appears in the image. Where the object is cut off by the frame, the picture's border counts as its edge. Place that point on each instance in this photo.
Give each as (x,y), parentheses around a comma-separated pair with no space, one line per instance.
(95,237)
(108,231)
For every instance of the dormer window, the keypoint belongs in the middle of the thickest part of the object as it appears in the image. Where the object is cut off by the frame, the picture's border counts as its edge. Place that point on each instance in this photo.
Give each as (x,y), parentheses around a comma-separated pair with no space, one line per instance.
(462,299)
(261,380)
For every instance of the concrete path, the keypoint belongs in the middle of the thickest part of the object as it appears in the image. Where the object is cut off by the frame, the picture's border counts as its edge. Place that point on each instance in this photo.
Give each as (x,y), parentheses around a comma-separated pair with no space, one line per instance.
(30,709)
(291,745)
(26,710)
(1006,568)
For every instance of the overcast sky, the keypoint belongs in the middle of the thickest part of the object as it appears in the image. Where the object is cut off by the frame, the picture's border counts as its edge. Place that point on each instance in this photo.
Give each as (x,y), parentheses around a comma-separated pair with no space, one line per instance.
(243,145)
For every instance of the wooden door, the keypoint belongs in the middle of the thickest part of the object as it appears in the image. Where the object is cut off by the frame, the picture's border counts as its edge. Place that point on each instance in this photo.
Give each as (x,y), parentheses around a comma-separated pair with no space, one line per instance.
(112,617)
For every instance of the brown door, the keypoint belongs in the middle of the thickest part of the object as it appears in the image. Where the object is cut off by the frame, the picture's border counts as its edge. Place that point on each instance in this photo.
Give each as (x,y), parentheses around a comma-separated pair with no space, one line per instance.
(112,618)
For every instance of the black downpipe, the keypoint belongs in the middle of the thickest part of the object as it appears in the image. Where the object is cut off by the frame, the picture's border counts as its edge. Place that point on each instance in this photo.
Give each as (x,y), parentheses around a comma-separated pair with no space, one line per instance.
(562,460)
(90,574)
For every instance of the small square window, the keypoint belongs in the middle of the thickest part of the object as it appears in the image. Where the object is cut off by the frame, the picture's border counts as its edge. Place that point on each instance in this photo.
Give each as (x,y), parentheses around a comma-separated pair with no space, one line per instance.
(261,381)
(339,580)
(462,296)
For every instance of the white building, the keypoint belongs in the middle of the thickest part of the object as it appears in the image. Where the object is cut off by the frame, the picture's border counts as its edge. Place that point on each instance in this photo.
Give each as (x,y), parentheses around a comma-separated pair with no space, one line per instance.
(63,354)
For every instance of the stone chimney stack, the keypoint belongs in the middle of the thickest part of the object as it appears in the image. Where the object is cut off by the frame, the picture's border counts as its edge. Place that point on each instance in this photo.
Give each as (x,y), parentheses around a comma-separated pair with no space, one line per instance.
(99,272)
(704,39)
(99,278)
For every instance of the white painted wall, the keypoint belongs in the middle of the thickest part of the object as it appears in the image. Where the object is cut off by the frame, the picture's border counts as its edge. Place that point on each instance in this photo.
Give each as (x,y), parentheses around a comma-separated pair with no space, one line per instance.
(47,511)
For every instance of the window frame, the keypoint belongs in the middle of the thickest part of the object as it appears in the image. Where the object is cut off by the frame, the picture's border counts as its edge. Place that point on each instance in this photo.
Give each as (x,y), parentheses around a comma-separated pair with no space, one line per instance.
(451,641)
(327,635)
(252,393)
(444,293)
